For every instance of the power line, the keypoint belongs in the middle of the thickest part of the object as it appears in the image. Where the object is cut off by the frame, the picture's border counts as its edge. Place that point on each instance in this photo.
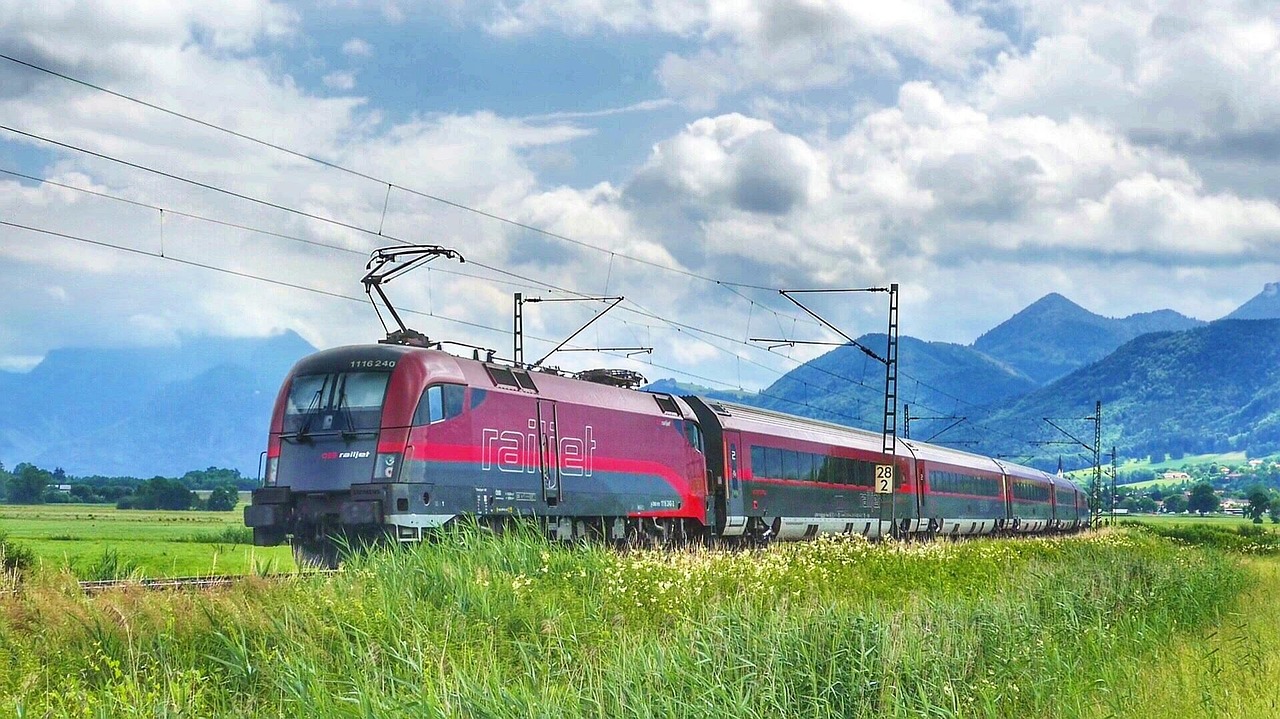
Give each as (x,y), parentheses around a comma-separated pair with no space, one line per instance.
(267,203)
(531,282)
(180,213)
(196,183)
(284,208)
(352,298)
(371,178)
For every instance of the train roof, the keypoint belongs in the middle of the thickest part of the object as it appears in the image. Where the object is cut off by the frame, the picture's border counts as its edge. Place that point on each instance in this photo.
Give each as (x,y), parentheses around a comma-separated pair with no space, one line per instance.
(441,366)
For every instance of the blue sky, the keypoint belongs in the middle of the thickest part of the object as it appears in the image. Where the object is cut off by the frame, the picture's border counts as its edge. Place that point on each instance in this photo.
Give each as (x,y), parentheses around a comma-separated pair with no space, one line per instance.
(980,154)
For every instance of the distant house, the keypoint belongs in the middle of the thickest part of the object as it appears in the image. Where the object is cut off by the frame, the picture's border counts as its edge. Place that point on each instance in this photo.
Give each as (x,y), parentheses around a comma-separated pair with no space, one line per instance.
(1232,506)
(1176,476)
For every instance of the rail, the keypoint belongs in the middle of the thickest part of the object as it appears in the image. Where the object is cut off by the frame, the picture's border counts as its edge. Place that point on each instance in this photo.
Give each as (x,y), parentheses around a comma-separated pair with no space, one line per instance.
(185,583)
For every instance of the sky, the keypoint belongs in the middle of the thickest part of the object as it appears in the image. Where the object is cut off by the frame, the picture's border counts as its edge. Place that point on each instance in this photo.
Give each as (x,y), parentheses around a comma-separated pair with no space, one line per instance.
(692,156)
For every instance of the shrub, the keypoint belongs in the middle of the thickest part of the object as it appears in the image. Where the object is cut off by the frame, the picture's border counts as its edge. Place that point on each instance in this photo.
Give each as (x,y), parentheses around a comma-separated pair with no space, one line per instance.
(14,557)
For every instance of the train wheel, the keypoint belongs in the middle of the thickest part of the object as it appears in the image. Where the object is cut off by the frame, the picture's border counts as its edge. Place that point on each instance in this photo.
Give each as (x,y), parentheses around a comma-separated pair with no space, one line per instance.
(322,554)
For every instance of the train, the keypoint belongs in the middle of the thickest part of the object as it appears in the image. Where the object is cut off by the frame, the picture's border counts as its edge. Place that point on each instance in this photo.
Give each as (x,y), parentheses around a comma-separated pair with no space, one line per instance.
(393,442)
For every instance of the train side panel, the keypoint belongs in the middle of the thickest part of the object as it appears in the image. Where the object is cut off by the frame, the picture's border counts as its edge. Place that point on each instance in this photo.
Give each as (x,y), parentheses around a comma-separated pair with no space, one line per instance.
(787,478)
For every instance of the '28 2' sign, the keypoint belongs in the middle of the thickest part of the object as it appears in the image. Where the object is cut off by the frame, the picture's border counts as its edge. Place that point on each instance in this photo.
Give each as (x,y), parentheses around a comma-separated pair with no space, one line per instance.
(884,479)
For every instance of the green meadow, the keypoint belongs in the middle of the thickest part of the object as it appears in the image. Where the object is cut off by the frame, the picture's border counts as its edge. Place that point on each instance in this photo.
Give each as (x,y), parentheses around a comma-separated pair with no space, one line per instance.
(96,541)
(1123,622)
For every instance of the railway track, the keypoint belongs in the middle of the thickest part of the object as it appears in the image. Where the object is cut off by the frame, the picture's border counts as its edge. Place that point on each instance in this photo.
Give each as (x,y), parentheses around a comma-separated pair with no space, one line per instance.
(182,583)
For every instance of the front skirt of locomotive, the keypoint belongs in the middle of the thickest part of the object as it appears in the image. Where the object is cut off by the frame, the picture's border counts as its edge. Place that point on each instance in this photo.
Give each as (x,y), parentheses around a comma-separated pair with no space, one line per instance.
(400,510)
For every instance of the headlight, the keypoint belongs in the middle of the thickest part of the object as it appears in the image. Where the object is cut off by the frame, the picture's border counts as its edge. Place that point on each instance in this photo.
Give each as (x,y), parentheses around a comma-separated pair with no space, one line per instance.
(386,467)
(273,464)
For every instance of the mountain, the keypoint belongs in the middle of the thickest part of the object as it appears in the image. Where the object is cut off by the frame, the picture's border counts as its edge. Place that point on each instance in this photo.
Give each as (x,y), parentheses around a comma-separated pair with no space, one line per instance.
(1054,336)
(1208,389)
(1263,306)
(147,411)
(846,386)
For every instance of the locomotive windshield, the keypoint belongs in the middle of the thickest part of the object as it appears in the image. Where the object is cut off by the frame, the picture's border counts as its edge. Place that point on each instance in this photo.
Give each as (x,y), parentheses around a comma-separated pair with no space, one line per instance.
(335,402)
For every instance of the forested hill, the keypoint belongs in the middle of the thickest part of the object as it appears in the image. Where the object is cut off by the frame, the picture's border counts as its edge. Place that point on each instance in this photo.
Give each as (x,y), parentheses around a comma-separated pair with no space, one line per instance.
(846,386)
(1208,389)
(1054,336)
(1263,306)
(147,411)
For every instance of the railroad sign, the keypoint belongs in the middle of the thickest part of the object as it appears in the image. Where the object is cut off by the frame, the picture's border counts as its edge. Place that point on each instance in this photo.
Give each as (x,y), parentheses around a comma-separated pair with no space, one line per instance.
(884,479)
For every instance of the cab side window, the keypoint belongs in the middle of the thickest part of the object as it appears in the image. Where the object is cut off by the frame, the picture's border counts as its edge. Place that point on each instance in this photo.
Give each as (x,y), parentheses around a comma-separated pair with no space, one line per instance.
(439,402)
(693,435)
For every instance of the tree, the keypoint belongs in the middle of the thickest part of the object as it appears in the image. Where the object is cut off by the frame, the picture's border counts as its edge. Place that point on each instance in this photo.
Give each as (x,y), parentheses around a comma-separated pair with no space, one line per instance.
(1175,504)
(27,483)
(1203,499)
(84,493)
(223,499)
(214,477)
(1146,505)
(1274,510)
(160,493)
(1259,501)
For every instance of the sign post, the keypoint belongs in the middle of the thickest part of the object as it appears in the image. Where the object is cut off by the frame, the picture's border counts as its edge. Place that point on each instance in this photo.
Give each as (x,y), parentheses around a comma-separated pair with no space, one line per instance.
(884,481)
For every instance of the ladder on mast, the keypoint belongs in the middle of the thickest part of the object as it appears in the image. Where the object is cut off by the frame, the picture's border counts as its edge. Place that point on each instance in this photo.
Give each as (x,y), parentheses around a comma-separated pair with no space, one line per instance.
(891,377)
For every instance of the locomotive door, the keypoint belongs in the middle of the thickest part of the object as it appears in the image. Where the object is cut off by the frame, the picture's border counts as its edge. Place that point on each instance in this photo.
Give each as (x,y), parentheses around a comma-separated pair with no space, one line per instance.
(735,501)
(548,452)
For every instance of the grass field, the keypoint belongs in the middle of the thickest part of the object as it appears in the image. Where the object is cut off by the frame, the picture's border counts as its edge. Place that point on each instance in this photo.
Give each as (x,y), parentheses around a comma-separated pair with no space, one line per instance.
(1118,623)
(1191,519)
(1190,459)
(1152,484)
(96,539)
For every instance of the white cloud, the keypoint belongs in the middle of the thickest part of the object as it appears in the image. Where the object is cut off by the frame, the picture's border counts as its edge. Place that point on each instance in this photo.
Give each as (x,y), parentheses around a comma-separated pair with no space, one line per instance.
(122,298)
(781,45)
(101,34)
(356,47)
(340,80)
(581,17)
(942,192)
(1182,69)
(733,161)
(979,190)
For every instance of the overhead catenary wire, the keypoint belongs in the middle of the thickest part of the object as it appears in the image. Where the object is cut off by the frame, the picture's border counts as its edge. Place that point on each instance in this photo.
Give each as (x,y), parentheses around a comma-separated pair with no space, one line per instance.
(728,285)
(281,207)
(529,282)
(353,298)
(525,282)
(381,181)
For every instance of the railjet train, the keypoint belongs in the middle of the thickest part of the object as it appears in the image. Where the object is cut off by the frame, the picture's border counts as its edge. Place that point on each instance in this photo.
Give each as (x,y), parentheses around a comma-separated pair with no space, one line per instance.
(371,441)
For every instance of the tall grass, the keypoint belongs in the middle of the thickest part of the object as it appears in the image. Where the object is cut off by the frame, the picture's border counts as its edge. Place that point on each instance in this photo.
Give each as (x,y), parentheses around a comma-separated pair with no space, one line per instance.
(234,535)
(108,565)
(511,626)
